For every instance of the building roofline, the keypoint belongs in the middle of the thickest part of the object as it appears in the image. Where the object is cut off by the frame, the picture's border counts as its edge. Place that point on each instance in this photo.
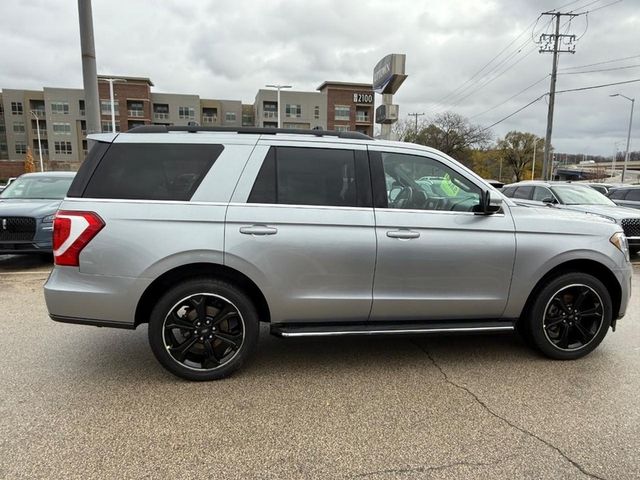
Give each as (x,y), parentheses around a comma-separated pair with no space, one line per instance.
(127,78)
(345,84)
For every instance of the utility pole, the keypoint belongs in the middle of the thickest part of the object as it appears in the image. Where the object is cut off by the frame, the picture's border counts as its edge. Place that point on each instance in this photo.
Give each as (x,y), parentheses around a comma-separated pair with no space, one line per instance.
(416,115)
(535,143)
(89,73)
(626,155)
(551,43)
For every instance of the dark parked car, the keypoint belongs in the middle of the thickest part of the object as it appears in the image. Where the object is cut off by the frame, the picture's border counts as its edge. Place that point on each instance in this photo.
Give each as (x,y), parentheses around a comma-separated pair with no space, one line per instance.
(579,197)
(27,207)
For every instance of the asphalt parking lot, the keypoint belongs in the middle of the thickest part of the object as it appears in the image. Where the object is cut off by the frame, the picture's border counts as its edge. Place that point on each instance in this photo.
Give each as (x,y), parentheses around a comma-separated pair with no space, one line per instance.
(84,402)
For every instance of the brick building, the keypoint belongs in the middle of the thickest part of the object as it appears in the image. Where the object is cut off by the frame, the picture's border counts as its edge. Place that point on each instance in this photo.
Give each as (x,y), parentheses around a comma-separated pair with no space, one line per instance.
(349,106)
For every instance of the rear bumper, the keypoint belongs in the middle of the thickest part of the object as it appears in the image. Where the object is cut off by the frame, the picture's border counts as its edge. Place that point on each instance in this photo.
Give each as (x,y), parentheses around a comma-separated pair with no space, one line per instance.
(74,297)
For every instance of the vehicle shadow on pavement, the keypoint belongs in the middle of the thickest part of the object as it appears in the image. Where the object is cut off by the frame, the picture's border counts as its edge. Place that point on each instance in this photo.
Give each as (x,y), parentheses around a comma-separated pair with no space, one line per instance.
(25,263)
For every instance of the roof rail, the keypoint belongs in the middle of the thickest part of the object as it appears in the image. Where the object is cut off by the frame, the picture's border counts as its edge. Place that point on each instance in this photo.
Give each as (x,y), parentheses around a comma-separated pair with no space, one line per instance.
(248,130)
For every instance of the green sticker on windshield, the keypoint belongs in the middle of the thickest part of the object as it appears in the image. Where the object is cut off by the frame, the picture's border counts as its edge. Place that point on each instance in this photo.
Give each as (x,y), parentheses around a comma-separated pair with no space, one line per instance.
(449,187)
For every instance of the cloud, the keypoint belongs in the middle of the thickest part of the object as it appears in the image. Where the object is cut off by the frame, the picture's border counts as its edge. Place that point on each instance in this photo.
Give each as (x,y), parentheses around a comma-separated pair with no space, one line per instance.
(230,49)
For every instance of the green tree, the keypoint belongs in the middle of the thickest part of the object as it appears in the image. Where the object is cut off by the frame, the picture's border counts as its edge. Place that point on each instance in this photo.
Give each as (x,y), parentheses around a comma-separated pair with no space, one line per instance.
(516,149)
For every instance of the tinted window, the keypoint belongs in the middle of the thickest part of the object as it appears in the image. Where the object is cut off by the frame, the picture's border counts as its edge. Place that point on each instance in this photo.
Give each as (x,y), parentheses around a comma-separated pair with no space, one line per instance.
(420,183)
(633,195)
(617,194)
(542,193)
(151,171)
(508,191)
(306,176)
(523,192)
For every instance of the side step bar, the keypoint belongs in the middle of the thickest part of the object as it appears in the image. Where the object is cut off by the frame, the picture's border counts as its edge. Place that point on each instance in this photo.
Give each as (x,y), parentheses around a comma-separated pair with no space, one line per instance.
(289,330)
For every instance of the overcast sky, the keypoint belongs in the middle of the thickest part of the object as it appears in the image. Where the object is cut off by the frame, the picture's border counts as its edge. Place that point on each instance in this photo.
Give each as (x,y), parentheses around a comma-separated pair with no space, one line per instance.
(230,49)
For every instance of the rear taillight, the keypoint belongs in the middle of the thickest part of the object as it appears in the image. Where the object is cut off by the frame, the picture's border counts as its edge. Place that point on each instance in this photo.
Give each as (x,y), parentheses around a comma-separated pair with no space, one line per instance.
(72,231)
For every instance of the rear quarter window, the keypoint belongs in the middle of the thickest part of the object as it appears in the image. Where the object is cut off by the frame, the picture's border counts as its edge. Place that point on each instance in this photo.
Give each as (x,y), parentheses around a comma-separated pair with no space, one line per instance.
(633,195)
(151,171)
(617,194)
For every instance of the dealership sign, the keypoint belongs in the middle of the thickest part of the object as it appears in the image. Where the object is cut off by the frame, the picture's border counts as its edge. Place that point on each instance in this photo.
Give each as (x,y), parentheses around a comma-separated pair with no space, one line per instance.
(388,73)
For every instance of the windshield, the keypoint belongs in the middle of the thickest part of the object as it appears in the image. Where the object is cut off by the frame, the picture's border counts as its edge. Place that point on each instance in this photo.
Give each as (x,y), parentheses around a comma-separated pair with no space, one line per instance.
(41,187)
(579,195)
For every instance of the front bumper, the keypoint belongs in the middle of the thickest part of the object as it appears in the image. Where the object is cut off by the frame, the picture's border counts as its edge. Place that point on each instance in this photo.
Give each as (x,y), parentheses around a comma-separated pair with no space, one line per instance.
(624,276)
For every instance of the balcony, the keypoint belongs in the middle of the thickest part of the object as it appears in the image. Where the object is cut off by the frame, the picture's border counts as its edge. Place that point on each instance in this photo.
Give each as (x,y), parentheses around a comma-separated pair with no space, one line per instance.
(270,114)
(40,113)
(209,119)
(45,152)
(362,118)
(159,116)
(82,113)
(43,132)
(135,113)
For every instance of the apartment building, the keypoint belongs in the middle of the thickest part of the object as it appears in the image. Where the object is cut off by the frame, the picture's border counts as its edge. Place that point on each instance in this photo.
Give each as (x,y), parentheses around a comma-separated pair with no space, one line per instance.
(59,115)
(303,110)
(349,106)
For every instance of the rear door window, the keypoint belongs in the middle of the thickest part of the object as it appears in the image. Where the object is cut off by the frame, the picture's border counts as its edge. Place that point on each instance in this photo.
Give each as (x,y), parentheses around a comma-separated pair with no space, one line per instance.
(633,195)
(523,193)
(307,176)
(618,194)
(152,171)
(542,193)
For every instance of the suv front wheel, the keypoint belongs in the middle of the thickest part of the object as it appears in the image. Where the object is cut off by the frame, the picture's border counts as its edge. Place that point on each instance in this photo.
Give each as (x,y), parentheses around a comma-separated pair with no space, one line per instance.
(203,329)
(570,316)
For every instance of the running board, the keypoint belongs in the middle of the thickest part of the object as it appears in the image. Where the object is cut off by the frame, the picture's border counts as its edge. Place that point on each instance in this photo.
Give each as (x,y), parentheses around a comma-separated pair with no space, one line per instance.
(397,328)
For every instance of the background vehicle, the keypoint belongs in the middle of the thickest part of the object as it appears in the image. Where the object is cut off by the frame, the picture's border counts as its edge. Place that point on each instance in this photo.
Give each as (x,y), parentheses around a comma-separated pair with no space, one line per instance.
(27,207)
(2,187)
(578,197)
(626,196)
(319,234)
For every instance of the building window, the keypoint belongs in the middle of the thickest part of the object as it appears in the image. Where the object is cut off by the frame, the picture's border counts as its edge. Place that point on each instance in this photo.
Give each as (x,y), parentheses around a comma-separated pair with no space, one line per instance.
(62,148)
(342,128)
(105,107)
(18,127)
(21,148)
(135,109)
(342,112)
(60,108)
(62,128)
(16,108)
(83,127)
(229,116)
(81,107)
(3,147)
(362,115)
(209,115)
(296,126)
(247,119)
(106,127)
(186,113)
(2,128)
(293,110)
(161,111)
(85,148)
(316,112)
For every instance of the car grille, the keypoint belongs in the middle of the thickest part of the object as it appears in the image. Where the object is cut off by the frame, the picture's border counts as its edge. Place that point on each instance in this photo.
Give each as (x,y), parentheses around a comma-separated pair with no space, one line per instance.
(631,227)
(16,229)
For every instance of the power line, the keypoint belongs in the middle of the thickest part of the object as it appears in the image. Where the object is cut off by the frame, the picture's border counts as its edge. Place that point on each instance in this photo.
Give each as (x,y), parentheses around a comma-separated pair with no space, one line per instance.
(559,91)
(511,97)
(600,63)
(601,70)
(599,8)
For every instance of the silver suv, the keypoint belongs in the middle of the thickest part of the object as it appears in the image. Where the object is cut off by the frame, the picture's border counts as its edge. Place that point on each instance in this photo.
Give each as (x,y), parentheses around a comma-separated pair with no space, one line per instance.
(205,233)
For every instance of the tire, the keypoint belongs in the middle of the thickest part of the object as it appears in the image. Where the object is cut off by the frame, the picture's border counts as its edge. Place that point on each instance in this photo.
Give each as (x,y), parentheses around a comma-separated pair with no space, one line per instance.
(570,316)
(195,325)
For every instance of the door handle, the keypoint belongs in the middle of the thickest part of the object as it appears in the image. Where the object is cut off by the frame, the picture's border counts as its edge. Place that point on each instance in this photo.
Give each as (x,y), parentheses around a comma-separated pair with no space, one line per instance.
(403,234)
(258,230)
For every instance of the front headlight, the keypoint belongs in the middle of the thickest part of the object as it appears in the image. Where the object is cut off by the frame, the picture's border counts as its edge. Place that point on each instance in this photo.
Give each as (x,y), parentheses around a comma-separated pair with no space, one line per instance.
(620,242)
(48,218)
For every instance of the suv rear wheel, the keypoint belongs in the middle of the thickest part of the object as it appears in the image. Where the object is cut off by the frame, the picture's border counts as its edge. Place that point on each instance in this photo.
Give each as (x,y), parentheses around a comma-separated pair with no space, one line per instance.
(203,329)
(570,316)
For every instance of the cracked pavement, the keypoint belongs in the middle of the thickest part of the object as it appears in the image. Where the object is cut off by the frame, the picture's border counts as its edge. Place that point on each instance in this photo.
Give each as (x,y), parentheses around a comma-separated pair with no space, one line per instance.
(84,402)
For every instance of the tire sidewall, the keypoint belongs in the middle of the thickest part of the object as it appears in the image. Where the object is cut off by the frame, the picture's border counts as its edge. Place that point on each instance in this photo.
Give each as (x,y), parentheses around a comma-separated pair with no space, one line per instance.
(203,285)
(535,318)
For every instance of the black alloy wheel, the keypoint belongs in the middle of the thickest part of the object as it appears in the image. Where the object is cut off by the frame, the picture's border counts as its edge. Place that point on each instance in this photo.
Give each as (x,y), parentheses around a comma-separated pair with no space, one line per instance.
(573,317)
(569,317)
(203,329)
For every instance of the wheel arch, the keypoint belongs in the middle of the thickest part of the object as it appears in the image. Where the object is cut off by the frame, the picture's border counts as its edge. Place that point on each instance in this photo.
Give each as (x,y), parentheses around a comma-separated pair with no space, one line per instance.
(195,270)
(591,267)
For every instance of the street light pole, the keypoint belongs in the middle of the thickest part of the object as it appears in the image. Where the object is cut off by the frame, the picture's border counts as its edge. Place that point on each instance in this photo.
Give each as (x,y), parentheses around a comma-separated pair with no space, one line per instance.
(39,141)
(112,100)
(278,87)
(535,142)
(626,155)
